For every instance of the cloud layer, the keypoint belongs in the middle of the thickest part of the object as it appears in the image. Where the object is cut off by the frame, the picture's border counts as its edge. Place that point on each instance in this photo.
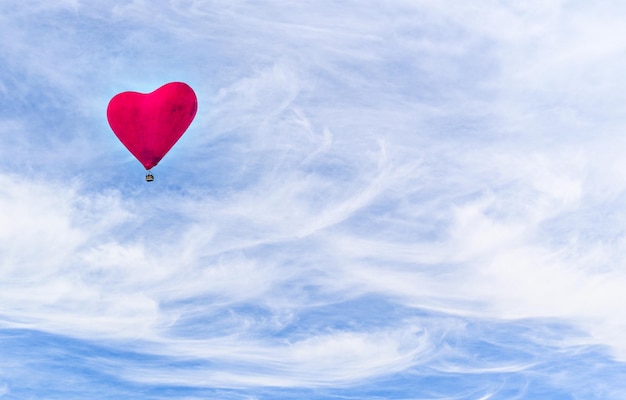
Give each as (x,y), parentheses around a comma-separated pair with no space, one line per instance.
(413,200)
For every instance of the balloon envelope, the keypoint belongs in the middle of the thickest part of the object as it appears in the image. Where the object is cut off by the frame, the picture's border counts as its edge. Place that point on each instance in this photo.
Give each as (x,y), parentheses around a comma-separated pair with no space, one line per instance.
(150,124)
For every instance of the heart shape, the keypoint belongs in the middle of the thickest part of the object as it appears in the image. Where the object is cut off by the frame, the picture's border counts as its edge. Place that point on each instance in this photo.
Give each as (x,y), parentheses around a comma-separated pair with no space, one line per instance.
(150,124)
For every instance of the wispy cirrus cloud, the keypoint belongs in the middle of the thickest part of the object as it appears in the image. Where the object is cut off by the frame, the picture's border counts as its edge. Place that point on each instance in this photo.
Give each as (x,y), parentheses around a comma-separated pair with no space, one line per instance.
(379,201)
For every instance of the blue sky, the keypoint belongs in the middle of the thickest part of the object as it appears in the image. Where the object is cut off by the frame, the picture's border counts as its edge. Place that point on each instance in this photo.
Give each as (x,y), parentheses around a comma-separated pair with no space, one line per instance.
(376,200)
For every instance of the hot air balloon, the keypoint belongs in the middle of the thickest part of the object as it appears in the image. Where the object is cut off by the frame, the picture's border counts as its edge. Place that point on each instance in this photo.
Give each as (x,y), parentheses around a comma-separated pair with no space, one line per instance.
(149,124)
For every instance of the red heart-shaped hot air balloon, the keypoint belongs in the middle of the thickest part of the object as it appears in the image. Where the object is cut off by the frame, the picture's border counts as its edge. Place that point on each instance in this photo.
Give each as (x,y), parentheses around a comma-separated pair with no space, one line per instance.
(150,124)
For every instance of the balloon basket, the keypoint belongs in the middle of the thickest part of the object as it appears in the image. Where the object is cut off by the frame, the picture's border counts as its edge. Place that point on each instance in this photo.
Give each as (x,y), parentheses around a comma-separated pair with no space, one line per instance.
(149,177)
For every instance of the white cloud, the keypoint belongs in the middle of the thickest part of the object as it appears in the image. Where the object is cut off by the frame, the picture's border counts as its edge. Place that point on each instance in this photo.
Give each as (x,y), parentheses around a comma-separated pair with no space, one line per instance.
(462,158)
